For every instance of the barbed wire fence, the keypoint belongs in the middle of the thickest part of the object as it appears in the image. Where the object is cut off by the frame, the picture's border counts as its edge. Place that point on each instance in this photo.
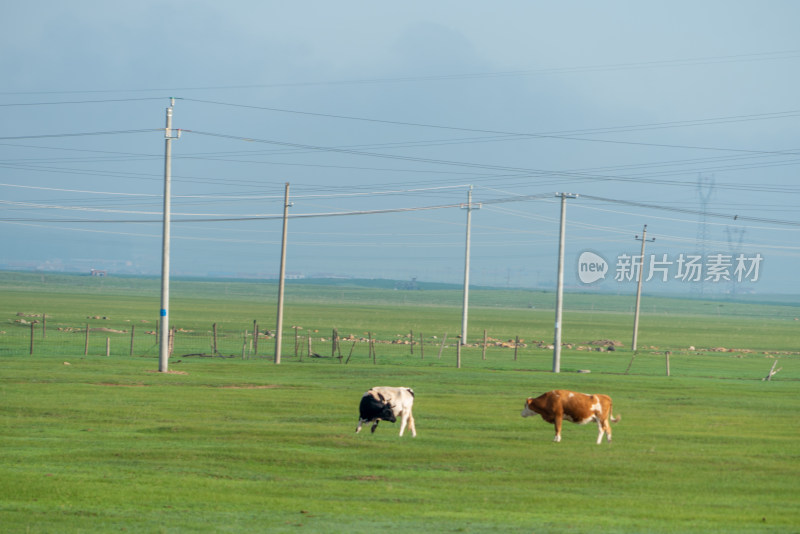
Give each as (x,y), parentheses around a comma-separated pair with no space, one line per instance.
(30,335)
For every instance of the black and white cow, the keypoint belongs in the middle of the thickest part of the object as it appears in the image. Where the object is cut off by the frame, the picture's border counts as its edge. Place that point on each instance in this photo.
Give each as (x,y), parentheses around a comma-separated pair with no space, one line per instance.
(374,408)
(387,404)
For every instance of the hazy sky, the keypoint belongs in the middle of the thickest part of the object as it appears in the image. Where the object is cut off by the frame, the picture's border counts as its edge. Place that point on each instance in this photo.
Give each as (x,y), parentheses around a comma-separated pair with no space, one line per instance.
(679,115)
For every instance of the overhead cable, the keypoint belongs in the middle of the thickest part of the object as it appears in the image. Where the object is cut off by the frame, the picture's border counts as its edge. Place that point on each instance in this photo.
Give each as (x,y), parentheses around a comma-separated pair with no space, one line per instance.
(680,62)
(79,134)
(104,101)
(568,135)
(693,211)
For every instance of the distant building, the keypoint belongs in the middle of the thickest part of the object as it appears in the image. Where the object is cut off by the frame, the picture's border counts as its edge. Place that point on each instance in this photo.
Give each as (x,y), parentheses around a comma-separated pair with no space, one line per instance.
(97,272)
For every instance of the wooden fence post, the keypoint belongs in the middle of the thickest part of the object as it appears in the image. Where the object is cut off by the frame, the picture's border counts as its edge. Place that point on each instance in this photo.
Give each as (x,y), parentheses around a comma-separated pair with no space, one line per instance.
(133,329)
(108,347)
(458,355)
(421,347)
(441,347)
(483,356)
(86,344)
(516,346)
(351,352)
(630,363)
(44,326)
(666,354)
(411,337)
(32,324)
(214,328)
(772,372)
(255,338)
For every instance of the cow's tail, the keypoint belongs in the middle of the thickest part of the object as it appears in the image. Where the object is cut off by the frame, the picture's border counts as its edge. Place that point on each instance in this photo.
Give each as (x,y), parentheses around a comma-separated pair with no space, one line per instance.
(616,419)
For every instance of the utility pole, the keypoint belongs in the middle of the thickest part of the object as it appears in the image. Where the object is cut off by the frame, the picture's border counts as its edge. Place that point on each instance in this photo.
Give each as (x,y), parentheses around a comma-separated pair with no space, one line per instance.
(465,307)
(163,349)
(560,283)
(282,278)
(643,239)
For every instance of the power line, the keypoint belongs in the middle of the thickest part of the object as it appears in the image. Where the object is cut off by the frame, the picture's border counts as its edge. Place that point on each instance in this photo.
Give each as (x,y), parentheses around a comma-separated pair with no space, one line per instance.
(240,197)
(263,217)
(668,63)
(574,175)
(673,219)
(457,163)
(518,198)
(64,102)
(80,134)
(514,198)
(566,135)
(694,212)
(82,191)
(223,218)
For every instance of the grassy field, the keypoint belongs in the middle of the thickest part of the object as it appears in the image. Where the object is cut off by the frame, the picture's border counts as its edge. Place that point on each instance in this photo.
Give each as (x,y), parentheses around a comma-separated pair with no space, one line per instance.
(95,444)
(72,302)
(106,444)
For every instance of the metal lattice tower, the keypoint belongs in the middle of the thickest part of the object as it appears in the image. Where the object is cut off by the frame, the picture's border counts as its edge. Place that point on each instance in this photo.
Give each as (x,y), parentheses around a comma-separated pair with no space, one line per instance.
(735,237)
(705,190)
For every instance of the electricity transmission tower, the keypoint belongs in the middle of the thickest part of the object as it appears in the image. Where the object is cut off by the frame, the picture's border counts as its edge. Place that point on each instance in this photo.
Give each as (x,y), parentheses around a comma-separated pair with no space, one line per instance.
(735,237)
(705,190)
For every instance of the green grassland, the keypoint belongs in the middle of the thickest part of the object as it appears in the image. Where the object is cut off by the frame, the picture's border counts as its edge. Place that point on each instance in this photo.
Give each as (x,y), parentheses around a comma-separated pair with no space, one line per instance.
(96,444)
(355,308)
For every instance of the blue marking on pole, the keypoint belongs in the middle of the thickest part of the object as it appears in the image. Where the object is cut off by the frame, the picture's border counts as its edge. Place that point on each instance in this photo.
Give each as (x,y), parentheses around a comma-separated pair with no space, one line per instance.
(163,313)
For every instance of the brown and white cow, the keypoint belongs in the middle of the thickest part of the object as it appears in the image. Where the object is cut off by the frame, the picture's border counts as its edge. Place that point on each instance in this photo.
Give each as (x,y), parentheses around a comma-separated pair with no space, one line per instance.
(385,403)
(559,404)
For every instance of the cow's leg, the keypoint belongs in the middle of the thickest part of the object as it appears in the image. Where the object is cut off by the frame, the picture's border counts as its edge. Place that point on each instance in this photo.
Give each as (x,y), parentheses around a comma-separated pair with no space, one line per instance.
(601,430)
(411,425)
(358,428)
(403,423)
(375,425)
(557,423)
(607,425)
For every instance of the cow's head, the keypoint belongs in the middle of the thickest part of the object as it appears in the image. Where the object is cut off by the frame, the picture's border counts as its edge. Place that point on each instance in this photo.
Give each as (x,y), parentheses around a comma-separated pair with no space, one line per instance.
(387,414)
(526,410)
